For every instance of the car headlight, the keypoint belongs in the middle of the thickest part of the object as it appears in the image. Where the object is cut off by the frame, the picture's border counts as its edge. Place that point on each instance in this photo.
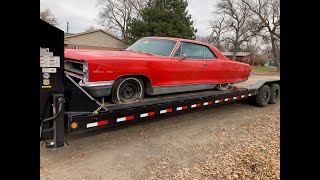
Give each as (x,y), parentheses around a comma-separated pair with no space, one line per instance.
(85,72)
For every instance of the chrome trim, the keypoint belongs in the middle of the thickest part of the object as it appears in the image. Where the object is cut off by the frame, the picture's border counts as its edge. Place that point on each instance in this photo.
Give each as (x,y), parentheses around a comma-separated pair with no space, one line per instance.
(180,88)
(98,89)
(73,75)
(94,84)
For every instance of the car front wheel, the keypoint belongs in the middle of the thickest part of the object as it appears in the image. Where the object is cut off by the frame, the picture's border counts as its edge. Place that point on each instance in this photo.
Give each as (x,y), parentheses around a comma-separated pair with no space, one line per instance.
(127,90)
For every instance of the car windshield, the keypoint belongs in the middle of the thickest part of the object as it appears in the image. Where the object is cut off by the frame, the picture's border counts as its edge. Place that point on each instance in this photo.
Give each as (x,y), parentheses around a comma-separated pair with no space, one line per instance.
(162,47)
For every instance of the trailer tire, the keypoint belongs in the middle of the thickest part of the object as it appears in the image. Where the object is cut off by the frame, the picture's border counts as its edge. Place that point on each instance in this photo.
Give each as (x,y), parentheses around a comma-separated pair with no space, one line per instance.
(275,93)
(263,96)
(127,90)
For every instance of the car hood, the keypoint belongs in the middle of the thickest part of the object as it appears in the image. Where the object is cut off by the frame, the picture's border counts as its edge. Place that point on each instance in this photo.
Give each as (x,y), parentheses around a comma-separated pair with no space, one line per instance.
(88,55)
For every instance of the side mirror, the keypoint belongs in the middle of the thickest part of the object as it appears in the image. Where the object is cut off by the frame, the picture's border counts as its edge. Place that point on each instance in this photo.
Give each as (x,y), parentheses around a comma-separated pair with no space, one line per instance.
(183,56)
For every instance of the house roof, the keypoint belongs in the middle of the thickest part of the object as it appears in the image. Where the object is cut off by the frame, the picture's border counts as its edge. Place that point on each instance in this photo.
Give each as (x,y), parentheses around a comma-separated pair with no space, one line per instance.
(237,54)
(68,34)
(88,32)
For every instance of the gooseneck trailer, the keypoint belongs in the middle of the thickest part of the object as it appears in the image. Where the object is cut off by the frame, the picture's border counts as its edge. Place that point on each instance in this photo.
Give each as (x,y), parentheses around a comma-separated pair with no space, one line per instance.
(67,109)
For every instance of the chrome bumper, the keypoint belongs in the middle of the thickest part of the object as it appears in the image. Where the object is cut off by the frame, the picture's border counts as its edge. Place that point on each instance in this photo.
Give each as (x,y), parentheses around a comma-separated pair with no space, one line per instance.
(98,89)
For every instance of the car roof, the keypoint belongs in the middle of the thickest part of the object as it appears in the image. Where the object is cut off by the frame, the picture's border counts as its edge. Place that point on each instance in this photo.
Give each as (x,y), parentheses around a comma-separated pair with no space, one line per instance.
(179,39)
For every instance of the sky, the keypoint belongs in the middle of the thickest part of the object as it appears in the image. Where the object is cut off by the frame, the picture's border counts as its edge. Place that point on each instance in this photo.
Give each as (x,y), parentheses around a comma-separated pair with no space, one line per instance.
(83,13)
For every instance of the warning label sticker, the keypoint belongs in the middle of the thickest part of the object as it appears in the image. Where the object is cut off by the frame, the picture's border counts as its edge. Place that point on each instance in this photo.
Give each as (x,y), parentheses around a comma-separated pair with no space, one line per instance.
(49,70)
(47,59)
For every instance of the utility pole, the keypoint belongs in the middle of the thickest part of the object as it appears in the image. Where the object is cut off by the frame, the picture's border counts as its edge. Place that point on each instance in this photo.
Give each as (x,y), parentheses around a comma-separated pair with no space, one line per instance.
(67,27)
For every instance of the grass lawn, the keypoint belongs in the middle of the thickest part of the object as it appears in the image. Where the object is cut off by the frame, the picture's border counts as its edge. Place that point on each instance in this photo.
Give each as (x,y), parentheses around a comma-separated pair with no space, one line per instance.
(268,70)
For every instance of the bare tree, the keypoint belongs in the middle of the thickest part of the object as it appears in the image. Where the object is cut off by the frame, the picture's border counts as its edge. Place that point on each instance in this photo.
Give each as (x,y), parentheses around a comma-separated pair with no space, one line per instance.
(115,15)
(49,17)
(237,15)
(267,13)
(90,28)
(219,28)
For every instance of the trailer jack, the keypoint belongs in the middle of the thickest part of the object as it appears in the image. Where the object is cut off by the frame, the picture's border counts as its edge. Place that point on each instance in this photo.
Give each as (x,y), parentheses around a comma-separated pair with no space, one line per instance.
(58,123)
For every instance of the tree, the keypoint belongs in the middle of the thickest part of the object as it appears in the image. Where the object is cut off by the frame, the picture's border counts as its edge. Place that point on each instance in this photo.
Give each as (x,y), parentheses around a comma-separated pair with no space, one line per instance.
(115,15)
(267,14)
(163,18)
(237,16)
(219,28)
(90,28)
(49,17)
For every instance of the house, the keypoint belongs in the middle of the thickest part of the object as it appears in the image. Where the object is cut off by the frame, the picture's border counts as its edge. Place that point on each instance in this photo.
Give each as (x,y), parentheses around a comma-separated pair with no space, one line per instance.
(240,56)
(271,62)
(246,57)
(97,39)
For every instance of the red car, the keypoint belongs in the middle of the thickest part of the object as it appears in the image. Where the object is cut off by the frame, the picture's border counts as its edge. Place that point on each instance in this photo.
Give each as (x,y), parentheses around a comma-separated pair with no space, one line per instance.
(153,65)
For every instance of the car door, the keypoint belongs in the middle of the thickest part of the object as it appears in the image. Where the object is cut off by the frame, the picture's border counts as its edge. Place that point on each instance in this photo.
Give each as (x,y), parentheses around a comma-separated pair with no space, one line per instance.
(190,70)
(218,70)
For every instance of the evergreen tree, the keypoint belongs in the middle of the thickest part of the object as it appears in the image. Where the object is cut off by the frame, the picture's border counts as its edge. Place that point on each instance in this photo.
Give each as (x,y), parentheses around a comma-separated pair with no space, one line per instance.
(163,18)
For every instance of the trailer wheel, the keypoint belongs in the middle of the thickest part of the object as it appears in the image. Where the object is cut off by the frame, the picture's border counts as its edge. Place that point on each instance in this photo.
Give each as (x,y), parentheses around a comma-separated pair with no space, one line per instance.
(127,90)
(275,93)
(222,87)
(263,96)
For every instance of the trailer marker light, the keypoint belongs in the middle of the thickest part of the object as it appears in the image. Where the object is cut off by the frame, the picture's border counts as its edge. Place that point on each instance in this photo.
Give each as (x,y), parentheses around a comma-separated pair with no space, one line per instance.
(74,125)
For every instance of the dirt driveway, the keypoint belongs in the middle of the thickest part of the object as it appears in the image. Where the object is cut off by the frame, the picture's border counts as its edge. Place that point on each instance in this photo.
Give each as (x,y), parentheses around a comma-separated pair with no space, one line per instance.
(231,141)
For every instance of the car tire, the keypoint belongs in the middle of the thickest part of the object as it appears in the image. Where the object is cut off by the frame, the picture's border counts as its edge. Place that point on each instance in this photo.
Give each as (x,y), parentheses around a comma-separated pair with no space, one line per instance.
(263,96)
(127,90)
(222,87)
(275,93)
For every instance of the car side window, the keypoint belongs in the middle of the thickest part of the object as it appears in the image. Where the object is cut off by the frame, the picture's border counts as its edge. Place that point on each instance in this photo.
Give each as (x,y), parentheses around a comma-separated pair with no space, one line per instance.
(208,53)
(193,51)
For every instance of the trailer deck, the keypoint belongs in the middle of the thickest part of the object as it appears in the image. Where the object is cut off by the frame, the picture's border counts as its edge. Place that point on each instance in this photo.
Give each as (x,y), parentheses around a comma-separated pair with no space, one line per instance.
(93,117)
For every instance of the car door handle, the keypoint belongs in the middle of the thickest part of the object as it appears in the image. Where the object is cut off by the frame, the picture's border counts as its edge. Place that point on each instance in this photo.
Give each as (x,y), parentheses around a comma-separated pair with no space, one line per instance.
(205,65)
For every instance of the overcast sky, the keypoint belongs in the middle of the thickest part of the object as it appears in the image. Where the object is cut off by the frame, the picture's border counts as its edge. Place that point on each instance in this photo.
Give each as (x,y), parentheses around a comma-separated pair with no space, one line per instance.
(82,13)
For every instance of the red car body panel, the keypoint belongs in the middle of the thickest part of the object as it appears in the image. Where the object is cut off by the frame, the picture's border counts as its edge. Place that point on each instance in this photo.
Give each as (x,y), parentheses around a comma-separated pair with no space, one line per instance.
(106,65)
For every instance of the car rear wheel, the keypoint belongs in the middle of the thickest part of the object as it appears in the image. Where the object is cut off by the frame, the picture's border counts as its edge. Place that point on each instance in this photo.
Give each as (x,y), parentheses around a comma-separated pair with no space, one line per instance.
(223,87)
(127,90)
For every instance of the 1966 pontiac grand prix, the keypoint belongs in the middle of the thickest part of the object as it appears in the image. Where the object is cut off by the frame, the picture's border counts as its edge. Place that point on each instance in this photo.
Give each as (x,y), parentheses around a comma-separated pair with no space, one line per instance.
(153,65)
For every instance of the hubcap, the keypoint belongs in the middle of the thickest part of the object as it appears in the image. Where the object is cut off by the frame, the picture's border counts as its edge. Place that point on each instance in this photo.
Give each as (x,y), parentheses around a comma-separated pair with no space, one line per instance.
(129,91)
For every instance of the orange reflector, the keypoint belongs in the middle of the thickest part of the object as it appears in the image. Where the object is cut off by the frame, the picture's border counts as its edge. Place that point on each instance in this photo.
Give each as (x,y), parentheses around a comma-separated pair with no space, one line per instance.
(74,125)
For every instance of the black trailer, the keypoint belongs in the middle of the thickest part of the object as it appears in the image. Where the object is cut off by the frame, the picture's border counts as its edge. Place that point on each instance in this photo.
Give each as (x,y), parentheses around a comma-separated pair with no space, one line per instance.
(74,111)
